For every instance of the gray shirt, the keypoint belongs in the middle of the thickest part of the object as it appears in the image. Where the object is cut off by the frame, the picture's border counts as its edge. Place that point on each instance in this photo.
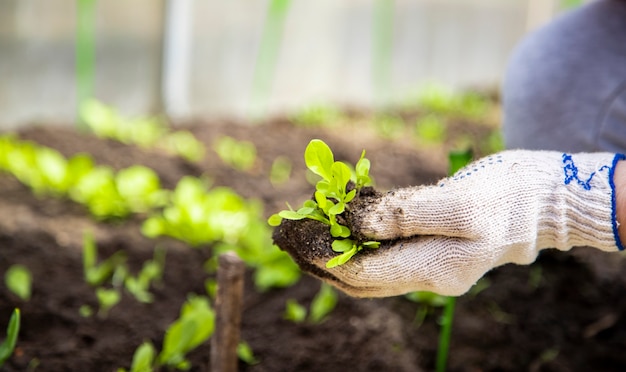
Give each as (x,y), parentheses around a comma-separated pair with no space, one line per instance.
(565,86)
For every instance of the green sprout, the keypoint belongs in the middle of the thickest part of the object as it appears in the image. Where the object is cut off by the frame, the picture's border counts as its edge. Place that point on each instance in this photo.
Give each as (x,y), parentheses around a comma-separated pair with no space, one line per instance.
(107,299)
(322,304)
(194,326)
(331,197)
(241,155)
(430,129)
(19,280)
(8,345)
(152,270)
(96,274)
(280,171)
(106,122)
(316,116)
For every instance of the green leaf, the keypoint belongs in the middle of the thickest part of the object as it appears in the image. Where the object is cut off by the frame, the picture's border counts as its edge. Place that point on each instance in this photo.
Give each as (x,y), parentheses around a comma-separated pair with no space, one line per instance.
(339,231)
(337,208)
(349,196)
(294,311)
(244,352)
(458,159)
(342,175)
(18,280)
(274,220)
(319,158)
(323,303)
(370,244)
(291,215)
(194,326)
(8,345)
(107,298)
(342,258)
(143,358)
(342,245)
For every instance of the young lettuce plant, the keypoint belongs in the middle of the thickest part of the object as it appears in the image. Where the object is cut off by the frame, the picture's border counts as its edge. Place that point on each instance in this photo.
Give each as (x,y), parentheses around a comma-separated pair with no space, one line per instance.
(330,199)
(193,327)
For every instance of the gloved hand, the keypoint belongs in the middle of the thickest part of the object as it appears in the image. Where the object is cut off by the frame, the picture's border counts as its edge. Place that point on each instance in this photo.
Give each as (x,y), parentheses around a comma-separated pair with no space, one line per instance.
(501,209)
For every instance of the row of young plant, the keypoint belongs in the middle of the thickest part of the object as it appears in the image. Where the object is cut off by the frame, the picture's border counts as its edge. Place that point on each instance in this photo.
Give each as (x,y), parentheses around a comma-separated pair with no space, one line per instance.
(192,212)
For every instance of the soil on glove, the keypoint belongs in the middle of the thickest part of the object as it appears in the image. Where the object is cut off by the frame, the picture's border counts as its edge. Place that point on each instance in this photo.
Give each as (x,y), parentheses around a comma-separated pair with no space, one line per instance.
(563,313)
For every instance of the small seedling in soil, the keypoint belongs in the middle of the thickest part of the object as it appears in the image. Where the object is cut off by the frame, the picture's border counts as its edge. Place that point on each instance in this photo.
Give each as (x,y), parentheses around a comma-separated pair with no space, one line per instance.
(241,155)
(106,122)
(8,345)
(332,194)
(107,298)
(96,274)
(280,171)
(323,304)
(18,280)
(193,327)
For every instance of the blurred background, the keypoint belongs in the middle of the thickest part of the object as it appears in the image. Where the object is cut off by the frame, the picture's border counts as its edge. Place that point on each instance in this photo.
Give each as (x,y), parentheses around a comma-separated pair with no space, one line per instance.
(245,58)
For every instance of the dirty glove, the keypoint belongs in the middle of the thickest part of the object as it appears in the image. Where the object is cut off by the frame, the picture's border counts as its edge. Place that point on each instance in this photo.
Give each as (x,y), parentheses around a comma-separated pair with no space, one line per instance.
(501,209)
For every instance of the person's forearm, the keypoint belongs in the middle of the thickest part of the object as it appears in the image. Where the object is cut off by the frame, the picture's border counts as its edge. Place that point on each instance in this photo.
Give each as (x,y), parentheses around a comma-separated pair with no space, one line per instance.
(619,178)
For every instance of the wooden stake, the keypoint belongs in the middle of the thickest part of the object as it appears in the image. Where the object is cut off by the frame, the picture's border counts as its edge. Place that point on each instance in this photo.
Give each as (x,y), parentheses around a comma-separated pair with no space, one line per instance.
(228,308)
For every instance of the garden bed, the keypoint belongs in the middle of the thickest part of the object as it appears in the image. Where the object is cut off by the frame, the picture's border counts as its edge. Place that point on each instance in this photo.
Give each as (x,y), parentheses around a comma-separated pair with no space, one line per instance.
(563,313)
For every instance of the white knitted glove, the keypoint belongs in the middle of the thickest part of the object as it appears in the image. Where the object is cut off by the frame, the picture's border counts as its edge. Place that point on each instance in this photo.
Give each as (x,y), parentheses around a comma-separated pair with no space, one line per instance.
(501,209)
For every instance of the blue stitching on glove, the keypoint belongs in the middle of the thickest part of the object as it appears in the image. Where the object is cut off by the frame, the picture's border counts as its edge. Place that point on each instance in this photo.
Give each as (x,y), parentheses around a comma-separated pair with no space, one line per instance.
(571,172)
(618,241)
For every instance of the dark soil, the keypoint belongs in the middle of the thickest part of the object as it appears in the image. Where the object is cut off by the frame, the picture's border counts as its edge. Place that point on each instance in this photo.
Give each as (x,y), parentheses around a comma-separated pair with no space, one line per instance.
(563,313)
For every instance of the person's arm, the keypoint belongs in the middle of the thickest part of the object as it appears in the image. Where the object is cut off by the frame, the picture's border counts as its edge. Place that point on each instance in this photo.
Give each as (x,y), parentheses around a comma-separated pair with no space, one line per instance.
(504,208)
(619,180)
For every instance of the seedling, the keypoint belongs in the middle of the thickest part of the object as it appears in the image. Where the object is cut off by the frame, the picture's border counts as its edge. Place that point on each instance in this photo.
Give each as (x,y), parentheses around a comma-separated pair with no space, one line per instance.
(294,311)
(18,280)
(151,271)
(240,155)
(322,304)
(280,171)
(107,298)
(146,132)
(96,274)
(316,116)
(430,129)
(245,353)
(8,345)
(331,197)
(194,327)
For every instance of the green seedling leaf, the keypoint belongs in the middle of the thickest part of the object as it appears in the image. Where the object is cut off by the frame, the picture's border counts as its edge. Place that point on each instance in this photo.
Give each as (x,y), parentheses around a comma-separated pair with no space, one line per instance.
(342,258)
(96,274)
(319,159)
(194,326)
(18,280)
(140,188)
(371,244)
(143,359)
(280,171)
(458,159)
(342,245)
(337,209)
(107,298)
(291,215)
(245,353)
(274,220)
(341,174)
(85,311)
(294,311)
(323,303)
(8,345)
(339,231)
